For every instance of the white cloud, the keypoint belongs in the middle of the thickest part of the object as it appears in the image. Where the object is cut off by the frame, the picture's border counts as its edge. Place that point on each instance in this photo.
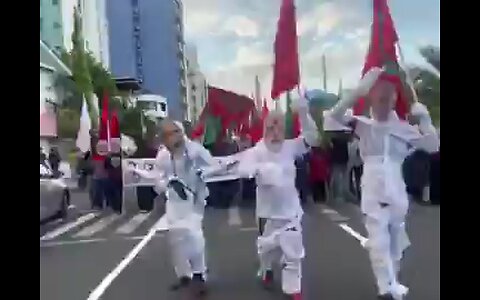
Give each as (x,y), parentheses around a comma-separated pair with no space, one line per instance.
(250,55)
(241,26)
(201,22)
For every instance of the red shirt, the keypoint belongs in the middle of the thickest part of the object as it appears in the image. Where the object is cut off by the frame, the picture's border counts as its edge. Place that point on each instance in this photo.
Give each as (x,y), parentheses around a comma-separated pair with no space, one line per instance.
(319,166)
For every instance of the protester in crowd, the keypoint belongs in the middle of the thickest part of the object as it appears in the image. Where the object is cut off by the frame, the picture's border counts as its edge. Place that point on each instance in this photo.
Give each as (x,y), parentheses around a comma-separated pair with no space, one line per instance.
(272,162)
(356,166)
(43,157)
(319,173)
(385,141)
(84,170)
(339,160)
(301,178)
(113,166)
(54,159)
(99,184)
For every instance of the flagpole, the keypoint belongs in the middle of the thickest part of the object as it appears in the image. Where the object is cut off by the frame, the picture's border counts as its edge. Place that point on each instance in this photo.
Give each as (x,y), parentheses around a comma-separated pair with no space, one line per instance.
(324,68)
(109,147)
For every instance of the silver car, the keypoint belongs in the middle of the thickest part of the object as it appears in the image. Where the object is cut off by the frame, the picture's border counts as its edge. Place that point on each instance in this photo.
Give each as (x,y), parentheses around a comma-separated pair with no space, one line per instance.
(54,194)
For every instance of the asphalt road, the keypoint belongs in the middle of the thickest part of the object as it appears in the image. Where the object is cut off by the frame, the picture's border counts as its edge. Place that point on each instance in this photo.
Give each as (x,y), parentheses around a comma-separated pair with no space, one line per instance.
(76,261)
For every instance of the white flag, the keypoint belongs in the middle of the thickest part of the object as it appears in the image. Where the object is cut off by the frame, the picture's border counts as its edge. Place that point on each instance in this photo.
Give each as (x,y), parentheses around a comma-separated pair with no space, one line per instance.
(83,136)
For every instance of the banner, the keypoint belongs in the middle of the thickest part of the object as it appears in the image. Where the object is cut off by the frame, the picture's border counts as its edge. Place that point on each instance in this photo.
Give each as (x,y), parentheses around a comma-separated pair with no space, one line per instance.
(147,165)
(130,179)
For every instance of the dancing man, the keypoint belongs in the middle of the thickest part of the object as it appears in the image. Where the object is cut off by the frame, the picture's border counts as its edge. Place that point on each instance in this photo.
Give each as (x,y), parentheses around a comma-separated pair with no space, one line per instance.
(385,141)
(272,163)
(178,174)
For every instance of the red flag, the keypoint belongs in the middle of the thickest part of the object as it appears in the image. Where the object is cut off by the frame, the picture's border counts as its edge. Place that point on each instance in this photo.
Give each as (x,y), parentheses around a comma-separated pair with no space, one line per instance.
(114,126)
(103,146)
(382,52)
(103,132)
(286,74)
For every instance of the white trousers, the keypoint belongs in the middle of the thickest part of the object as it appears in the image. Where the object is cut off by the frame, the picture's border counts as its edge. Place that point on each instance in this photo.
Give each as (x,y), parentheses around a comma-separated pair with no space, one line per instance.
(387,240)
(187,248)
(283,243)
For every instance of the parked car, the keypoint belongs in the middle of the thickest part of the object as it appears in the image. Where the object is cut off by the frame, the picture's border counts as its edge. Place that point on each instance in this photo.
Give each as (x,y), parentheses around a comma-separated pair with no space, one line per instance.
(54,194)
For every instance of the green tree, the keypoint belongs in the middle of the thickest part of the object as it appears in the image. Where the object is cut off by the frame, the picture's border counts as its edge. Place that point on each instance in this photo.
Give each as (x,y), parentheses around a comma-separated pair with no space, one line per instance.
(432,55)
(70,122)
(427,87)
(79,67)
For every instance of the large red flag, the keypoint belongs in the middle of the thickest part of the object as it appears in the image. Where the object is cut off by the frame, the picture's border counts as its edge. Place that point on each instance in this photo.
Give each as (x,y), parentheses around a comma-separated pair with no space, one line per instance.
(286,73)
(382,52)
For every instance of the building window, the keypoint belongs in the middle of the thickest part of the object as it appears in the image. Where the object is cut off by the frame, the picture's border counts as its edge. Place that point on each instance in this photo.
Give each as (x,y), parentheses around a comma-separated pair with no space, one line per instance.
(163,107)
(54,2)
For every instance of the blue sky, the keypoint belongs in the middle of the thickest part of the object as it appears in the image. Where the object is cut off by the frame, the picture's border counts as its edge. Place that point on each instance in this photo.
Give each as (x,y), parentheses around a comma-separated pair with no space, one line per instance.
(234,38)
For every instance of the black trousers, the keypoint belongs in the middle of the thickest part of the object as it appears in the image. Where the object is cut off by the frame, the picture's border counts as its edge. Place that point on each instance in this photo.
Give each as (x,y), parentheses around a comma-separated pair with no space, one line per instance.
(319,191)
(357,177)
(145,197)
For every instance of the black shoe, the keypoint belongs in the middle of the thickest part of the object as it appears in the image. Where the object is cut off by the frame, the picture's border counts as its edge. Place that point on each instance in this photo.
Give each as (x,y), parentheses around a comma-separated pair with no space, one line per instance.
(183,282)
(197,285)
(385,297)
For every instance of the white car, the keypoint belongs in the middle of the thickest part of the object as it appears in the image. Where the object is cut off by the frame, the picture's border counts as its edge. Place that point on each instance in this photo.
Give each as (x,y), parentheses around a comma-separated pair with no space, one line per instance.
(54,194)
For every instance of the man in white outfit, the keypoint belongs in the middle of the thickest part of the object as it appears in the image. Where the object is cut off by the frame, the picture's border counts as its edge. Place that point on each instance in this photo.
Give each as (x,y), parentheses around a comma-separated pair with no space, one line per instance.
(178,174)
(385,141)
(271,161)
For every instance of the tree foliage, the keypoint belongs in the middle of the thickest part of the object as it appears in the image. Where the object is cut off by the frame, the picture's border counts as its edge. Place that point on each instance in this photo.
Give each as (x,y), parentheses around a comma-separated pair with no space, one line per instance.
(70,122)
(432,55)
(79,67)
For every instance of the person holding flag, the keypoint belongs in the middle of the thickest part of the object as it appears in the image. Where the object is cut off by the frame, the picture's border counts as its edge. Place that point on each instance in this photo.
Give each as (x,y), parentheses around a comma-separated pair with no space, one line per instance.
(386,138)
(385,141)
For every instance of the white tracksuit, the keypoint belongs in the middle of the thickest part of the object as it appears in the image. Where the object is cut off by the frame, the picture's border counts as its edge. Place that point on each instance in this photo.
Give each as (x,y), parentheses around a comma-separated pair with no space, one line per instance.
(383,148)
(278,202)
(184,217)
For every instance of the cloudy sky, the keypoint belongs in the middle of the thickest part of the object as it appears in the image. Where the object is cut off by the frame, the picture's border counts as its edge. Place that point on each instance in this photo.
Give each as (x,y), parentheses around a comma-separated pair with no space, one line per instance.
(235,38)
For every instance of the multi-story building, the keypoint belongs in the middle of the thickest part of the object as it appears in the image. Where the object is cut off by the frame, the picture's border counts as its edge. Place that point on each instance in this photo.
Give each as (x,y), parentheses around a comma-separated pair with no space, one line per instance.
(56,26)
(147,44)
(51,29)
(94,27)
(196,84)
(50,97)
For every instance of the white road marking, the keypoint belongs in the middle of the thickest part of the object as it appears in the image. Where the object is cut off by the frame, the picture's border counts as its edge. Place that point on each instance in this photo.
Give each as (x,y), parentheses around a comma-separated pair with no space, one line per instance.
(88,241)
(133,224)
(67,227)
(329,211)
(64,243)
(353,233)
(97,226)
(234,216)
(102,287)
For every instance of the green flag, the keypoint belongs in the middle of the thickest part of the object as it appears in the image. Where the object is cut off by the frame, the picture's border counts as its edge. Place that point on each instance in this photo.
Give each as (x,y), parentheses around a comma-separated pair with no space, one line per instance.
(212,129)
